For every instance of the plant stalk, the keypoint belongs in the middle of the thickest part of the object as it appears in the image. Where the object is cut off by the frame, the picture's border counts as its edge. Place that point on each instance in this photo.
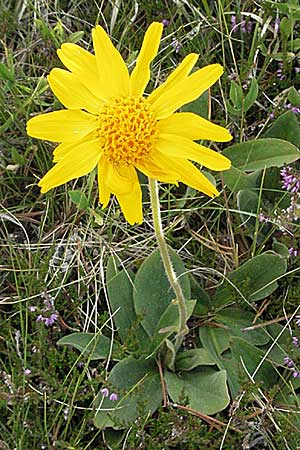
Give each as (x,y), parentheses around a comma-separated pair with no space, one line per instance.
(163,248)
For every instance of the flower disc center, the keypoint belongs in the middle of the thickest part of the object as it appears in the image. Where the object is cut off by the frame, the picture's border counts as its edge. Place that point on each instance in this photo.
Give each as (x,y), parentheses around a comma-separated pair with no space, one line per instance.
(127,129)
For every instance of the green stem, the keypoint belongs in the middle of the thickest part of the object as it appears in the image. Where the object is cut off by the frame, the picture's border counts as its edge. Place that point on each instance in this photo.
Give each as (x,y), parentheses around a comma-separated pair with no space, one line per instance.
(163,248)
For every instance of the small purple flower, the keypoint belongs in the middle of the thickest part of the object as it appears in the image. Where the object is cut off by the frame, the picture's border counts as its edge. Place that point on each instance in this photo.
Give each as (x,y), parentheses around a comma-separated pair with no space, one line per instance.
(295,109)
(296,374)
(249,26)
(297,69)
(27,371)
(113,397)
(233,21)
(288,362)
(49,321)
(165,22)
(272,115)
(40,318)
(104,392)
(32,308)
(295,341)
(293,251)
(276,24)
(176,44)
(243,26)
(290,179)
(297,321)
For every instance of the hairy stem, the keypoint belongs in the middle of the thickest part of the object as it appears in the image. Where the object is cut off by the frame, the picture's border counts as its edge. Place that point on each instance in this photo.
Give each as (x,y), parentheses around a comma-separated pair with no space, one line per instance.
(163,248)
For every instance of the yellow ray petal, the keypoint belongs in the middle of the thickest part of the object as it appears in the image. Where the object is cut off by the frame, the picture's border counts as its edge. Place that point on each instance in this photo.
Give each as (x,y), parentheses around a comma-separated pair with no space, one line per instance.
(71,92)
(104,192)
(120,179)
(190,175)
(185,91)
(194,127)
(141,73)
(113,73)
(181,147)
(180,73)
(154,168)
(79,161)
(131,204)
(83,64)
(62,126)
(61,150)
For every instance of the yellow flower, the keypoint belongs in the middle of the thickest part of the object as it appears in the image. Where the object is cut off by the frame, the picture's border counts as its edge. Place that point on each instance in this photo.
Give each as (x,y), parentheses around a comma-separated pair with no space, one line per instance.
(110,124)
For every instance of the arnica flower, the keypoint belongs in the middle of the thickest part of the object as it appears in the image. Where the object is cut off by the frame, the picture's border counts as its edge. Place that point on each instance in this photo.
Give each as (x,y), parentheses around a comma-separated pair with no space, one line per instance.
(111,125)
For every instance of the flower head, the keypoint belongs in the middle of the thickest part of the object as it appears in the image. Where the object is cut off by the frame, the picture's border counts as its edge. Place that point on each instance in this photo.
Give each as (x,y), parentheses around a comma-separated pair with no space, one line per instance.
(104,392)
(113,397)
(110,124)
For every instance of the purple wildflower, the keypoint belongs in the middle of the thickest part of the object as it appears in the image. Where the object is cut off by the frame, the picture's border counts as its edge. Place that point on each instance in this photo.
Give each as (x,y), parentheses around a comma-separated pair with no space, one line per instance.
(113,397)
(243,26)
(104,392)
(288,362)
(290,179)
(296,374)
(233,21)
(32,308)
(50,320)
(272,115)
(249,26)
(297,69)
(165,22)
(276,24)
(295,341)
(40,318)
(176,44)
(293,251)
(27,371)
(297,321)
(295,109)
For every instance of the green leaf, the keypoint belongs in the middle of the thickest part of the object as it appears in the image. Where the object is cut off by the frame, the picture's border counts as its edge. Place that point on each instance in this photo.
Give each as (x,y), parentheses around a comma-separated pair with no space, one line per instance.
(152,292)
(254,280)
(237,180)
(169,356)
(236,95)
(137,384)
(294,96)
(248,204)
(5,73)
(285,28)
(261,153)
(249,359)
(168,324)
(190,359)
(203,305)
(217,341)
(79,198)
(120,295)
(199,106)
(75,37)
(285,127)
(113,438)
(281,249)
(204,388)
(236,319)
(94,346)
(217,337)
(251,96)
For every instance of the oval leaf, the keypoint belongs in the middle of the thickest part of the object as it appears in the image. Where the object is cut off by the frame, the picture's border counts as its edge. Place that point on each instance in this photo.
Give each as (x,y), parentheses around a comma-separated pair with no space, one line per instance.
(261,154)
(152,292)
(205,389)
